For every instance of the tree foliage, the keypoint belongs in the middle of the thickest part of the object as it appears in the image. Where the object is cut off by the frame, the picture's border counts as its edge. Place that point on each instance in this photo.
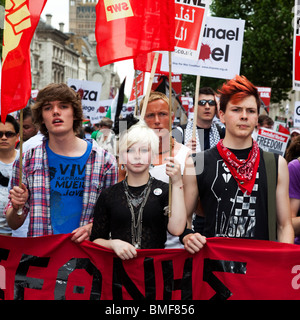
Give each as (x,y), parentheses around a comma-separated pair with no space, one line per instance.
(267,56)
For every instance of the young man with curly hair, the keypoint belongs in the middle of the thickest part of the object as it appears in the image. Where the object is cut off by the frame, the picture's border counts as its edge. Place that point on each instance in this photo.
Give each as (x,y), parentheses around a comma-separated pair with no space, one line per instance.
(63,177)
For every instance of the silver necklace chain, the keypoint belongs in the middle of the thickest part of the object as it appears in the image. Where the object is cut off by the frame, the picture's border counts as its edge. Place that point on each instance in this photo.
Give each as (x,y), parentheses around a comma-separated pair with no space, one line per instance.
(136,224)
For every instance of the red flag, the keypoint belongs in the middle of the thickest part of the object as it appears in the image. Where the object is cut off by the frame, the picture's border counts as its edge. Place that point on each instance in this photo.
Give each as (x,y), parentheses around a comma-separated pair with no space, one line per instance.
(296,49)
(126,28)
(21,19)
(143,62)
(283,129)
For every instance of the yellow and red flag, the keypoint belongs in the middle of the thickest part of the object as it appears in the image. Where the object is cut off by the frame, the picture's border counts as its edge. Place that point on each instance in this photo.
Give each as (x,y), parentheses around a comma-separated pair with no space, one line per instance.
(21,19)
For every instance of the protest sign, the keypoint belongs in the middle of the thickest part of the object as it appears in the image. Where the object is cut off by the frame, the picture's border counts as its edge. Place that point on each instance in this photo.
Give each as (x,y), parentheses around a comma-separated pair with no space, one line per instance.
(189,21)
(188,104)
(221,51)
(297,114)
(127,109)
(56,268)
(137,86)
(100,112)
(90,91)
(296,55)
(272,141)
(137,90)
(34,93)
(265,95)
(161,84)
(279,121)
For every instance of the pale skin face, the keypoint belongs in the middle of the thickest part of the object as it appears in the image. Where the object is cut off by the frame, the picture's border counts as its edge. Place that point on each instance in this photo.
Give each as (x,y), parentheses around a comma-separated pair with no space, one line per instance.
(240,120)
(137,158)
(205,114)
(157,117)
(8,144)
(29,130)
(58,117)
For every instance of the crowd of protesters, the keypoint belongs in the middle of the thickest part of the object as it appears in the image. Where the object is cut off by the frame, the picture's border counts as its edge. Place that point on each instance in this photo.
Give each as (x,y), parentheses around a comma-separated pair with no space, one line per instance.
(114,189)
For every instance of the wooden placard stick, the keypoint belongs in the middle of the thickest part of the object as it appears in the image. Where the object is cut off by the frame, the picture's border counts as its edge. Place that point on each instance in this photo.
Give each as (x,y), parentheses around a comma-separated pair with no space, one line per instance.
(21,149)
(154,64)
(196,106)
(136,95)
(170,128)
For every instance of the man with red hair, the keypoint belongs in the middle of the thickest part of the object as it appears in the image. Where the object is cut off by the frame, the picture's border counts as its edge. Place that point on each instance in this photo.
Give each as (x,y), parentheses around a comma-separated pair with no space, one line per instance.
(233,179)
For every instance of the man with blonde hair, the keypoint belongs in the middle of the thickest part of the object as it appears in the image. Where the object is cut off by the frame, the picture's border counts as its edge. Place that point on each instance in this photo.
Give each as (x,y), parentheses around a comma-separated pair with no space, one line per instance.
(157,118)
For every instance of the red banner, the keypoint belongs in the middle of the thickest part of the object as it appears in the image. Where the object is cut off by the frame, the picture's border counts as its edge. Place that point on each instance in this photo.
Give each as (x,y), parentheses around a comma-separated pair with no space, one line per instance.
(21,19)
(296,73)
(126,28)
(54,267)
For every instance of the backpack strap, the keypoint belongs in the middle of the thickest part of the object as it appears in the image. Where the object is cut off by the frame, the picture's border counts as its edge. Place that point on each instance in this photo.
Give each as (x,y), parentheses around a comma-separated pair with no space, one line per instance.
(270,165)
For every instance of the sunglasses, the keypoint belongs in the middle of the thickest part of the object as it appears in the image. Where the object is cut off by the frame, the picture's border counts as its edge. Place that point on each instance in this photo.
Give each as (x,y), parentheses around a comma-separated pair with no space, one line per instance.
(211,103)
(8,134)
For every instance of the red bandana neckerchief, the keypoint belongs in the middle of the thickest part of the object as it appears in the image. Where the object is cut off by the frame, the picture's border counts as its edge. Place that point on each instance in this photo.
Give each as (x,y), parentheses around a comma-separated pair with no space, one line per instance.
(243,171)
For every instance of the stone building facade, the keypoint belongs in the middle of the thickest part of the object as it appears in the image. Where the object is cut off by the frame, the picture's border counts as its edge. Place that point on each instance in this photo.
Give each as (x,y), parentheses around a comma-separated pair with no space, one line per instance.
(82,17)
(57,56)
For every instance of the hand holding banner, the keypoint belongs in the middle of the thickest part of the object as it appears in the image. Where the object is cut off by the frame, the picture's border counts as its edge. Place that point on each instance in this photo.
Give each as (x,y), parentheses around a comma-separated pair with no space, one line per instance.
(56,268)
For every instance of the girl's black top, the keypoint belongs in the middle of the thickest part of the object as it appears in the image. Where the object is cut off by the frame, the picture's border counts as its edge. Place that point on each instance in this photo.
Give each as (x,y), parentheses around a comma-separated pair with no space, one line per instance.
(112,217)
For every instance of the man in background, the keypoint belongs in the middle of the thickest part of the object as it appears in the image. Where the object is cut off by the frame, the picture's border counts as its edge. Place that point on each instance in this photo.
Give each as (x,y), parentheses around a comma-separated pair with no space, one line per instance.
(9,135)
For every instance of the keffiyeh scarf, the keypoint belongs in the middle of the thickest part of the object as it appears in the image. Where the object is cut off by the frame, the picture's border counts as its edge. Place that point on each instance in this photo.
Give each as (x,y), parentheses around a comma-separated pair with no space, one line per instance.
(214,135)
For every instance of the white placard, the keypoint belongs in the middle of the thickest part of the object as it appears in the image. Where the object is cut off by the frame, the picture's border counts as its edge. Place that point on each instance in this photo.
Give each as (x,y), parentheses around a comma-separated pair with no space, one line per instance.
(91,95)
(272,141)
(297,114)
(221,51)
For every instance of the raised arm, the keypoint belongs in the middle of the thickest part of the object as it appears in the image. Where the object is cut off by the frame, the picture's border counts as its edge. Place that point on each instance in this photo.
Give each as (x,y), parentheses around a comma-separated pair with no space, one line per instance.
(177,221)
(190,190)
(193,242)
(285,231)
